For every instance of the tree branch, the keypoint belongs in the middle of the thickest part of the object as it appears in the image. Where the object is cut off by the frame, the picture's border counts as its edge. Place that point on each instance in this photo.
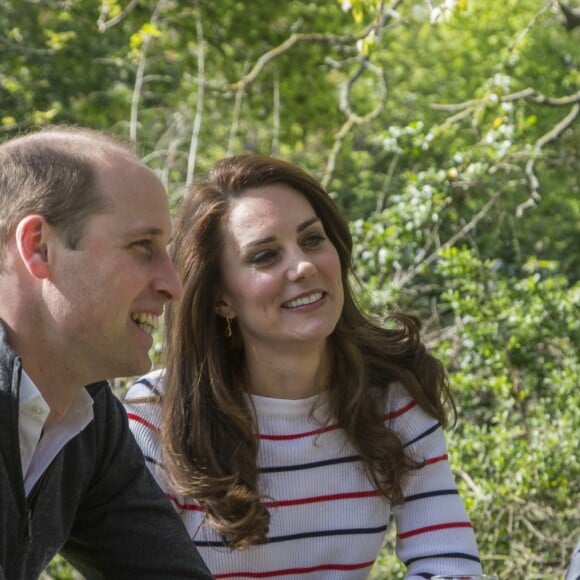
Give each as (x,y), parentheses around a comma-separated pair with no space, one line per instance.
(139,77)
(409,274)
(552,135)
(296,38)
(236,116)
(352,117)
(530,25)
(528,94)
(103,24)
(571,16)
(285,46)
(192,156)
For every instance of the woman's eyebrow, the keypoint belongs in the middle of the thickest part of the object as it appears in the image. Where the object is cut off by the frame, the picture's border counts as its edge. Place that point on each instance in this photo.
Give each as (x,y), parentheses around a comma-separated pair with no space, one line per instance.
(301,227)
(307,223)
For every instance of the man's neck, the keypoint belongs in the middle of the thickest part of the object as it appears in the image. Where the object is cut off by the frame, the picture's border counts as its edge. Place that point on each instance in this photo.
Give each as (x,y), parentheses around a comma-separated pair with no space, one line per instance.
(57,389)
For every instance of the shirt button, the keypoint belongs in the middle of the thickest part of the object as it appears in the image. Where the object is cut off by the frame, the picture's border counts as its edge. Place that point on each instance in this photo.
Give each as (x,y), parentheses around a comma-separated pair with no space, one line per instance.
(37,411)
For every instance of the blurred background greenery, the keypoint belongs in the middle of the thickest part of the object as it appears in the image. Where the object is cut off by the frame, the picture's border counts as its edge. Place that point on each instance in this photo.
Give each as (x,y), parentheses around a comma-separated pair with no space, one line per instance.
(445,129)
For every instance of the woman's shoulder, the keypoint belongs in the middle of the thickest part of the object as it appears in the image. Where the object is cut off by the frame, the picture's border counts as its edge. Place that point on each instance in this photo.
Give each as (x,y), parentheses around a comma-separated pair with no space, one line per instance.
(395,396)
(143,406)
(400,407)
(149,386)
(419,431)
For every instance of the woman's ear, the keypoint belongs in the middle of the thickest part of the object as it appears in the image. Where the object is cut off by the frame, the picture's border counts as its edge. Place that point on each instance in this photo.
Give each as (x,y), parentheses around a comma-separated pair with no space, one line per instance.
(32,233)
(224,310)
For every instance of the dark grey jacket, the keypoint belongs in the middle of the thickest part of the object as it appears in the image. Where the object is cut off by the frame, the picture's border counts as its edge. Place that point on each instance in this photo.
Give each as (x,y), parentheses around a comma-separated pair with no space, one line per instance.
(96,504)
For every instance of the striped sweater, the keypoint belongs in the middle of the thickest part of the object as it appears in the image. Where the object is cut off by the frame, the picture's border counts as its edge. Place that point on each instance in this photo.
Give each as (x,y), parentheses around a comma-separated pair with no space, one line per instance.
(327,519)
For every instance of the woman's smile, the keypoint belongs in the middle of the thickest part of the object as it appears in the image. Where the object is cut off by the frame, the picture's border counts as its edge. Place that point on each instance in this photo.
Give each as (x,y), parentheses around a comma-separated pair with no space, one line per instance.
(305,300)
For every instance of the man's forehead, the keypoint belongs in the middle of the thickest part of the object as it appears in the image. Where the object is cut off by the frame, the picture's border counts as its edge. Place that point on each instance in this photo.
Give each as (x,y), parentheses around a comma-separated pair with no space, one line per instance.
(153,223)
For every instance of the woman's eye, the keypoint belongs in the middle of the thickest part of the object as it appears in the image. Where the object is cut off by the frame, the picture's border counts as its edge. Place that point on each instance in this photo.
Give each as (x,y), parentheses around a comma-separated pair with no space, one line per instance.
(313,240)
(263,257)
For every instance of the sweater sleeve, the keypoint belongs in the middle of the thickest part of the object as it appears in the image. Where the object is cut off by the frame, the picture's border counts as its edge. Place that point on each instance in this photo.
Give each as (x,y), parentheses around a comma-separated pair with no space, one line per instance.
(144,414)
(573,572)
(125,526)
(434,533)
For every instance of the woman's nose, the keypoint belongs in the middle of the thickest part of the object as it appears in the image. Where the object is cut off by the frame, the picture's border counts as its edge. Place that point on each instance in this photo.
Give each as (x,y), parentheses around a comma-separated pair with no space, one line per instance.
(301,269)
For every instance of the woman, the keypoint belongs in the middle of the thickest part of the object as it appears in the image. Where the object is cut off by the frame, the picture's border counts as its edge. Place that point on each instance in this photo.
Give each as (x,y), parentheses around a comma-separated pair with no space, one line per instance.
(287,426)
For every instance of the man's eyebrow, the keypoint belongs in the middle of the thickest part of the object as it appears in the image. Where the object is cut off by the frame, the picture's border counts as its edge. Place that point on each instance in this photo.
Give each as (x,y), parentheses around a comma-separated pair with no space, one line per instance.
(147,231)
(300,228)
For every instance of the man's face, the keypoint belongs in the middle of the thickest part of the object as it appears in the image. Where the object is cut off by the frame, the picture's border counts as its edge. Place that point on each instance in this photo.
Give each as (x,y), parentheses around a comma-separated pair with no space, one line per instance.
(105,295)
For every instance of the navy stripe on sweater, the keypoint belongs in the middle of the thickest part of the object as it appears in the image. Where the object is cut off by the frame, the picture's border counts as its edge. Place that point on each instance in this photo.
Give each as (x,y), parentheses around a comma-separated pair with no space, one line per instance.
(145,382)
(149,459)
(428,494)
(281,469)
(303,535)
(423,435)
(314,464)
(458,555)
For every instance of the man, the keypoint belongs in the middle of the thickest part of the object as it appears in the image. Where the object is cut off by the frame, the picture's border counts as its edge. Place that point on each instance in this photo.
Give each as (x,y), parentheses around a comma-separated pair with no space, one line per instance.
(84,275)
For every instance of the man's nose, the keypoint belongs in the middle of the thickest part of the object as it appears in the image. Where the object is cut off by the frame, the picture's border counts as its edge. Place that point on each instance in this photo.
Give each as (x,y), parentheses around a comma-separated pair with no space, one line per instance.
(168,282)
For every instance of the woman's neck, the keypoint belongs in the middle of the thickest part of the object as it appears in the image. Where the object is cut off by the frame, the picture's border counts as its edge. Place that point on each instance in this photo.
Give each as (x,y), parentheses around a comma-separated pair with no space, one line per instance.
(295,375)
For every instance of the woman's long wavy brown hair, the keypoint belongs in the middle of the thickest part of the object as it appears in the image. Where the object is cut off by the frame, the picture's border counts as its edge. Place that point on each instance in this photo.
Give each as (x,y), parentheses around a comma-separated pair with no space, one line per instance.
(209,430)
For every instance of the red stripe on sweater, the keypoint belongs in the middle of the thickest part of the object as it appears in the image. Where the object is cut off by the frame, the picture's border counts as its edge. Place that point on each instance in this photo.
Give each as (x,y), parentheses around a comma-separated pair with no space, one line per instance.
(185,506)
(437,459)
(401,411)
(327,428)
(300,435)
(322,498)
(288,502)
(273,573)
(434,528)
(138,419)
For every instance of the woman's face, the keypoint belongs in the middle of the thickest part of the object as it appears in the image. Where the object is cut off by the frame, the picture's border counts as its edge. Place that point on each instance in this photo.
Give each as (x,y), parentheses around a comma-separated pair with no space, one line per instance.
(281,274)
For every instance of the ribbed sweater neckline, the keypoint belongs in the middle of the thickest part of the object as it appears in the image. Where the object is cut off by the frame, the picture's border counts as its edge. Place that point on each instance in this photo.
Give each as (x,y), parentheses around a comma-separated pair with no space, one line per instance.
(284,407)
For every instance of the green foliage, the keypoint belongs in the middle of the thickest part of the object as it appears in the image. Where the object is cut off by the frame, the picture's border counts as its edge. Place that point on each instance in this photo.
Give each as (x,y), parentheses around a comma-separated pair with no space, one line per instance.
(514,364)
(446,131)
(61,570)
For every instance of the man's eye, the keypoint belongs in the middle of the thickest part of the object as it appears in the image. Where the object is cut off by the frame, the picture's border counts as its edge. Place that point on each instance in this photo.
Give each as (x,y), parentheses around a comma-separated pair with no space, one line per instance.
(144,246)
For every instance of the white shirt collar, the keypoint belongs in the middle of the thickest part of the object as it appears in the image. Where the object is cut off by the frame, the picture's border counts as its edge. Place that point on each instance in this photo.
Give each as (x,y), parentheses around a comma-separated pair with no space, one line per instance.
(37,447)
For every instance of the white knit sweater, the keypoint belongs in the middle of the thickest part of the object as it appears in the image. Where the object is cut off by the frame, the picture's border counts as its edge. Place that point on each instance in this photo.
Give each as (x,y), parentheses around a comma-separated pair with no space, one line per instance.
(327,520)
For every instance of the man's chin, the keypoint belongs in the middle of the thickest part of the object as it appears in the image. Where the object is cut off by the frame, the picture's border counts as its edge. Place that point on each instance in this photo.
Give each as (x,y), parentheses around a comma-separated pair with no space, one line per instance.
(138,366)
(143,368)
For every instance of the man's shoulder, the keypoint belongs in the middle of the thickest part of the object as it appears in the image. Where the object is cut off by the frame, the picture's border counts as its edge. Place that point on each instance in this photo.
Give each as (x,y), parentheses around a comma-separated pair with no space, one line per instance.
(107,407)
(102,395)
(99,388)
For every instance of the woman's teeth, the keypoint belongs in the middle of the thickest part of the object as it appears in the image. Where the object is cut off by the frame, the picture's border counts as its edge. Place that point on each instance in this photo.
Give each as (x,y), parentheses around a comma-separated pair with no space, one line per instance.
(303,300)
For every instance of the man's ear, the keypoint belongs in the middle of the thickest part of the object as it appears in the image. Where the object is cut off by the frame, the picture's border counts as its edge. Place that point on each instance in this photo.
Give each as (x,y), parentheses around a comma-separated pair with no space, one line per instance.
(31,240)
